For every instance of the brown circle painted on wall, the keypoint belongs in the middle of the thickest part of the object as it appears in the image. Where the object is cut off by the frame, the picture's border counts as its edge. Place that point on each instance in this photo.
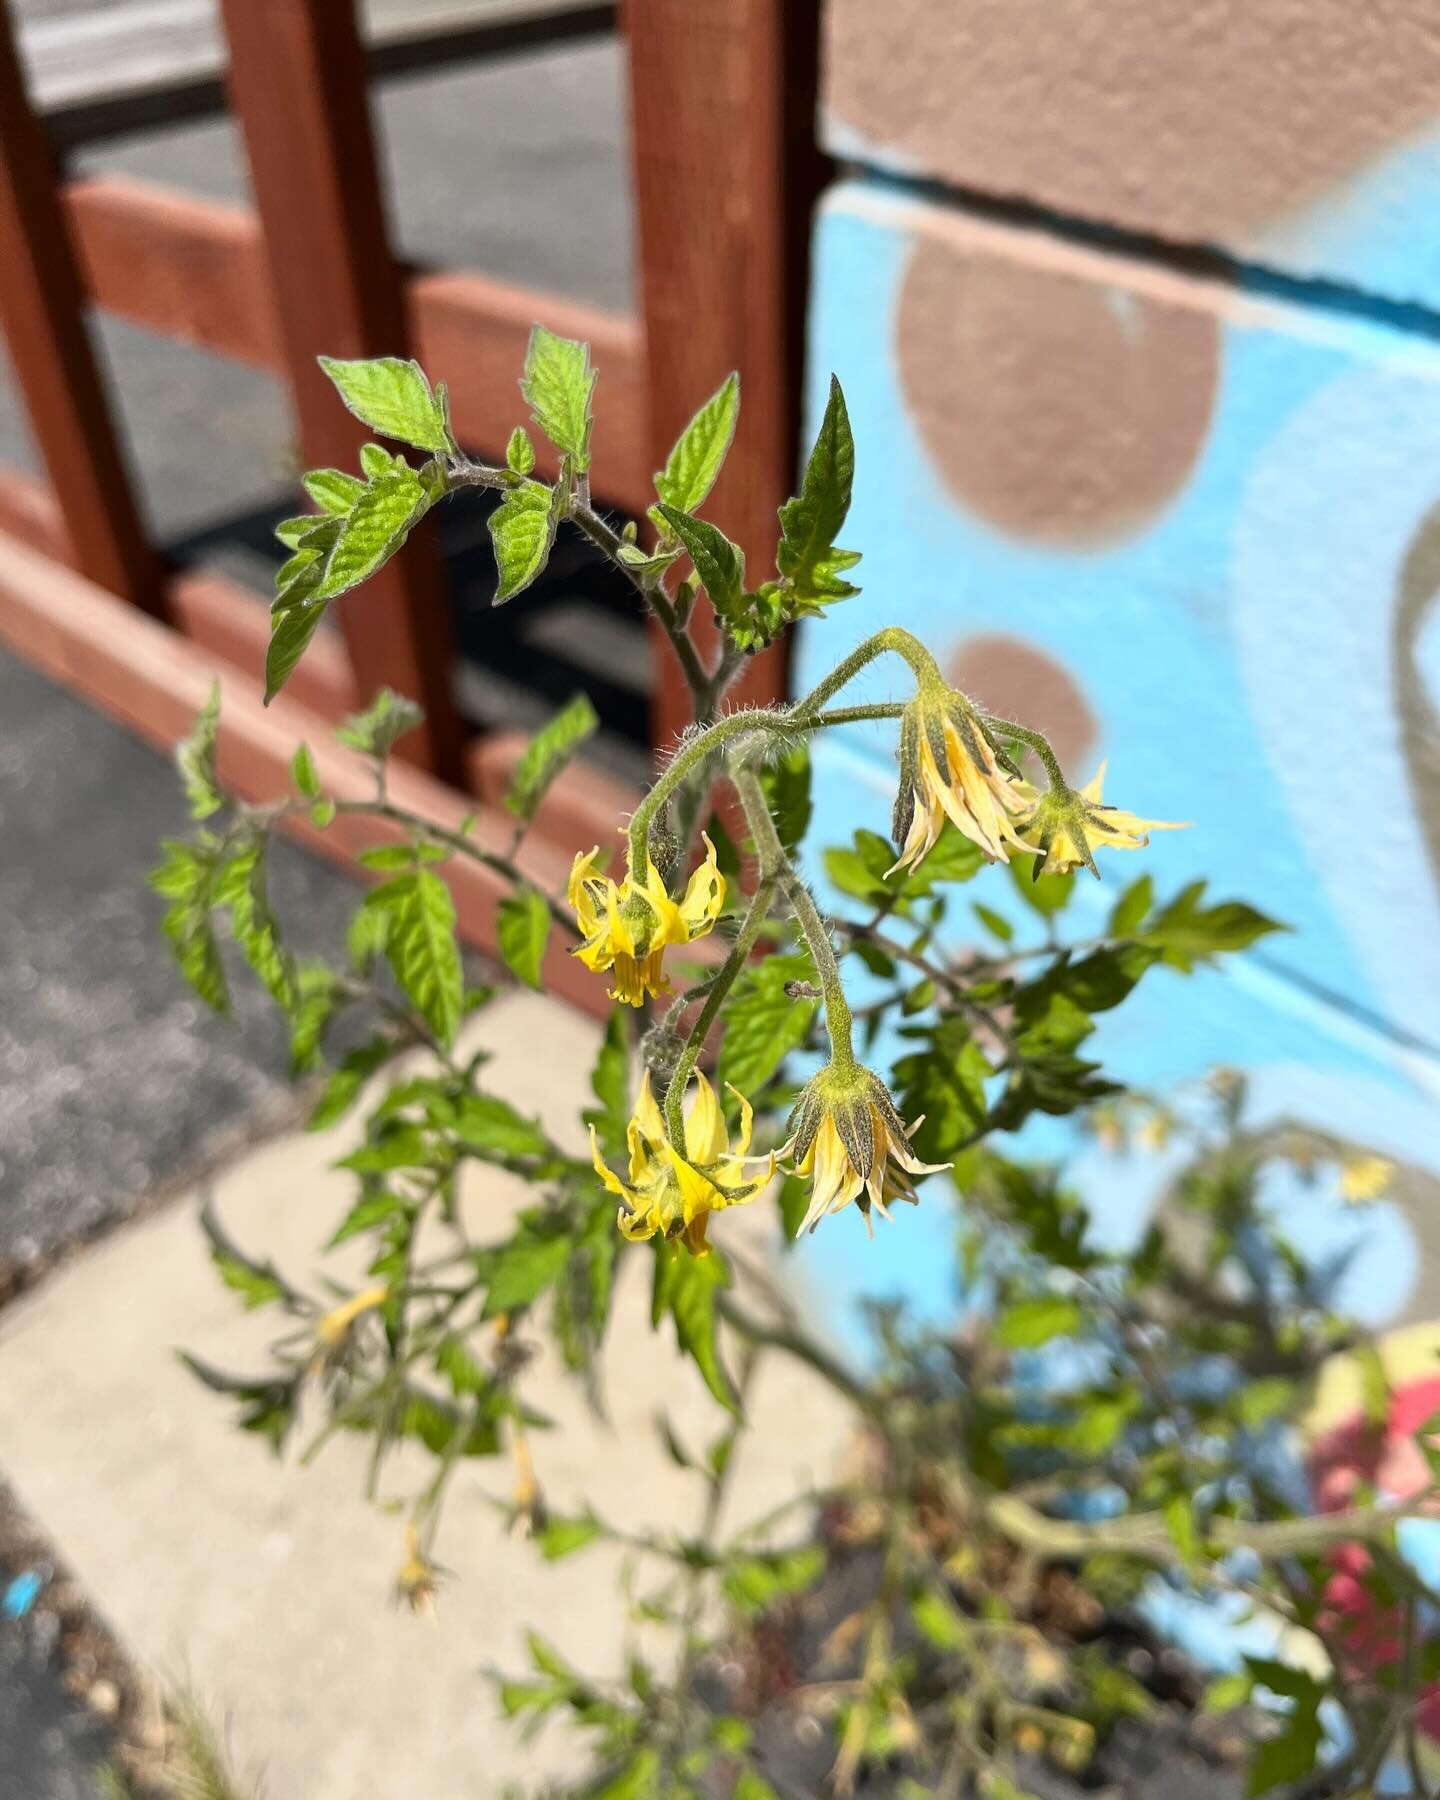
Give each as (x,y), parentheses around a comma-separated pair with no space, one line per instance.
(1059,409)
(1016,680)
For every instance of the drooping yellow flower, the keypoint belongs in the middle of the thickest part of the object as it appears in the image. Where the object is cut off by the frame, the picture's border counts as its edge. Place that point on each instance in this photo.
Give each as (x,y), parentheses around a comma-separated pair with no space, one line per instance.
(846,1136)
(417,1577)
(674,1194)
(1065,829)
(1364,1177)
(949,770)
(626,928)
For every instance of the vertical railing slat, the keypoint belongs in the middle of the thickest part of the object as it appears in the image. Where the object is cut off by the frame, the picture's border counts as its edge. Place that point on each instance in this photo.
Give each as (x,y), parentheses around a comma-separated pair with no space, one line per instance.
(726,174)
(298,83)
(42,313)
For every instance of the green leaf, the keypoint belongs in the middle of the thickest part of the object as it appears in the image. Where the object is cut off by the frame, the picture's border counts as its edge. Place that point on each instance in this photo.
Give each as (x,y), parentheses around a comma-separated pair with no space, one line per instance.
(344,1087)
(786,782)
(195,759)
(268,1406)
(520,452)
(808,558)
(332,491)
(610,1083)
(719,564)
(639,1779)
(548,752)
(762,1023)
(244,890)
(1179,1515)
(304,774)
(1033,1322)
(522,530)
(392,397)
(258,1284)
(519,1272)
(1046,894)
(291,629)
(375,528)
(794,1203)
(558,384)
(995,923)
(189,878)
(945,1081)
(291,531)
(369,1212)
(753,1584)
(1288,1756)
(1132,909)
(558,1538)
(421,947)
(700,452)
(383,723)
(488,1126)
(685,1289)
(523,929)
(751,1786)
(375,461)
(1187,931)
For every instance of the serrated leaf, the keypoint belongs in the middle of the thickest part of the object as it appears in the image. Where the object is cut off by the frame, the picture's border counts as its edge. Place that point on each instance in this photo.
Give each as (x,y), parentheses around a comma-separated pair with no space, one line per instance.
(332,490)
(519,1272)
(547,754)
(522,530)
(786,782)
(195,759)
(1187,931)
(393,397)
(520,452)
(685,1289)
(944,1082)
(374,529)
(485,1125)
(375,460)
(700,452)
(188,877)
(291,531)
(376,730)
(558,383)
(253,923)
(522,929)
(291,629)
(808,558)
(421,948)
(719,564)
(762,1023)
(344,1086)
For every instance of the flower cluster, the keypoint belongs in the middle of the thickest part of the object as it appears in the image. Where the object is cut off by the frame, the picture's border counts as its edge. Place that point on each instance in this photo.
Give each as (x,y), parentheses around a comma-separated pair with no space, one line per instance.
(953,765)
(625,929)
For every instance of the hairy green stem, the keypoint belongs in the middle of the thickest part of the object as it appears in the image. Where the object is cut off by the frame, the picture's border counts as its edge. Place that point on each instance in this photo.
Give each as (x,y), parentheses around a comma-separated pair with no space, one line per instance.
(715,998)
(902,643)
(1032,740)
(773,860)
(689,757)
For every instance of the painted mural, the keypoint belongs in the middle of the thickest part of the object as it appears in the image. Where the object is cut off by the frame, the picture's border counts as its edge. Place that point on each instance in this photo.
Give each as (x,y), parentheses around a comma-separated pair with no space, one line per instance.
(1198,531)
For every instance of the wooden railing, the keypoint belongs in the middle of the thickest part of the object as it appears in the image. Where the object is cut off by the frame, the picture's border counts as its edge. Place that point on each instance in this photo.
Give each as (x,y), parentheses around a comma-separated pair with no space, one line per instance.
(725,171)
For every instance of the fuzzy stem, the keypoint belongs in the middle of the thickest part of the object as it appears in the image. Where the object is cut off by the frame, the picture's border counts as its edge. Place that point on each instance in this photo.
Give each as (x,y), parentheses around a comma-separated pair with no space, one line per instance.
(1033,740)
(893,638)
(774,861)
(689,757)
(750,928)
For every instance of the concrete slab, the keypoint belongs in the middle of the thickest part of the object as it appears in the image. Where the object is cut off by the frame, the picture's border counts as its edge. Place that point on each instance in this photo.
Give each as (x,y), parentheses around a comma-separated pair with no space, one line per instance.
(267,1584)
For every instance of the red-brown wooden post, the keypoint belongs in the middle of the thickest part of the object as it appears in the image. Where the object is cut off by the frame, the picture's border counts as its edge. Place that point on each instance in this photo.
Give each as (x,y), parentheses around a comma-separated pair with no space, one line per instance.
(42,312)
(726,175)
(298,81)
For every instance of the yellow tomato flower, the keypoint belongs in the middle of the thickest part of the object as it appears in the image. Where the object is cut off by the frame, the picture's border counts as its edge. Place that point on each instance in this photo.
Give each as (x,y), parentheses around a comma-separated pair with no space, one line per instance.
(847,1137)
(626,928)
(1364,1177)
(674,1194)
(1064,829)
(950,770)
(417,1578)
